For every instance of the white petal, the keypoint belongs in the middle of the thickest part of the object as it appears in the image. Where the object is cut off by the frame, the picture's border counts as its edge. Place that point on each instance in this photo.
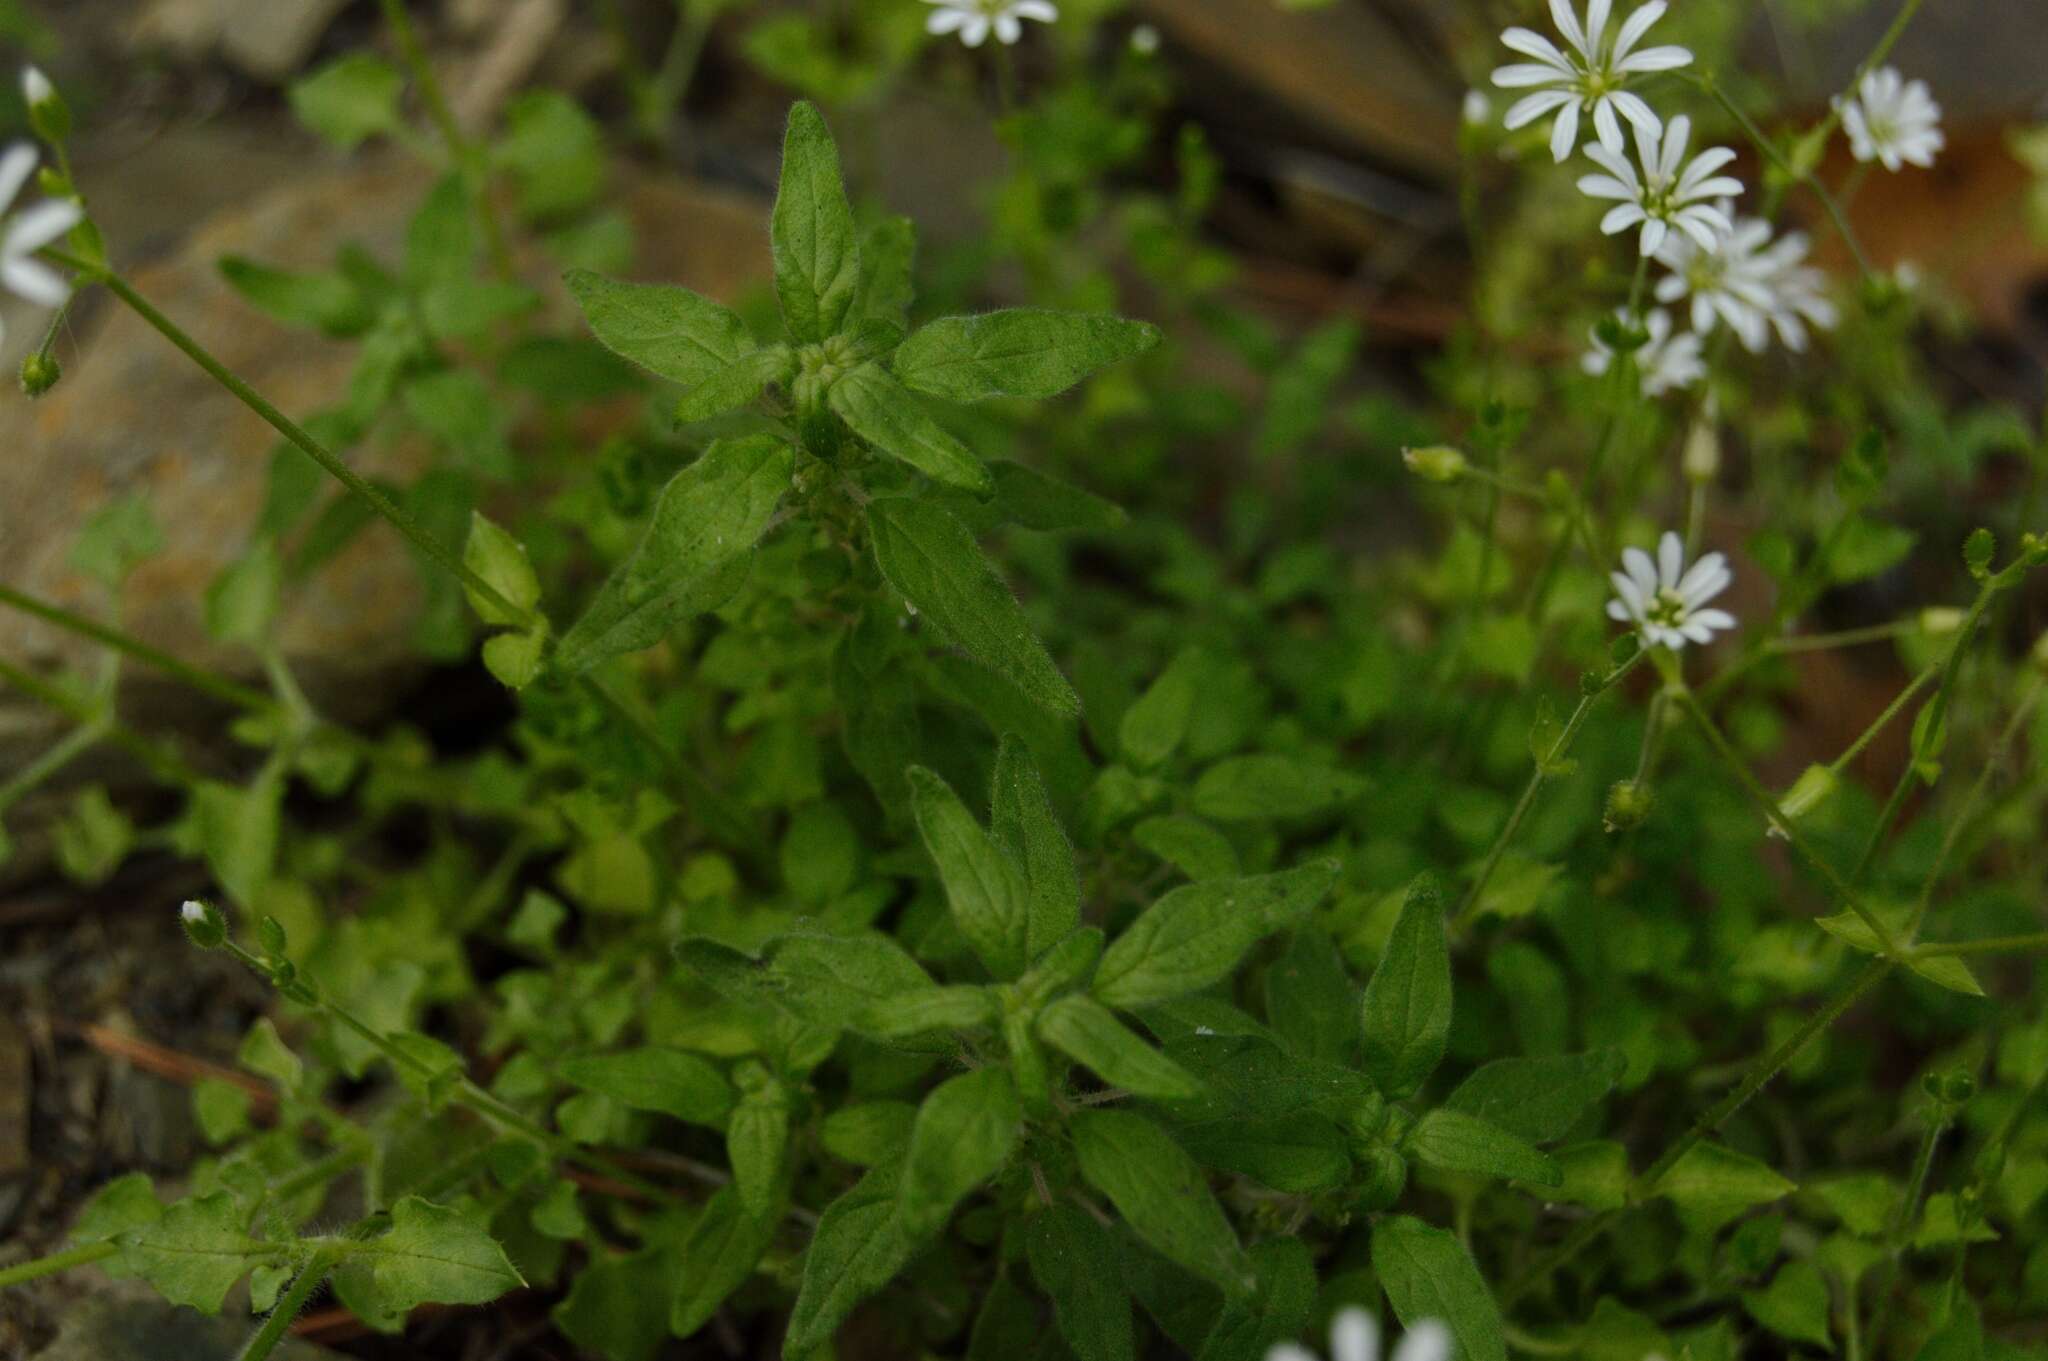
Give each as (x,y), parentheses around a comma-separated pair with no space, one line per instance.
(1640,570)
(16,166)
(1428,1340)
(1670,559)
(37,227)
(1606,186)
(1632,598)
(1596,24)
(1568,24)
(1654,59)
(1700,572)
(1529,108)
(944,20)
(1008,30)
(1532,44)
(1714,619)
(1705,164)
(35,281)
(1635,27)
(1676,134)
(1523,74)
(1620,218)
(1564,133)
(1354,1336)
(1607,127)
(1618,612)
(1654,232)
(1044,11)
(1696,631)
(975,31)
(1723,187)
(1634,109)
(1289,1351)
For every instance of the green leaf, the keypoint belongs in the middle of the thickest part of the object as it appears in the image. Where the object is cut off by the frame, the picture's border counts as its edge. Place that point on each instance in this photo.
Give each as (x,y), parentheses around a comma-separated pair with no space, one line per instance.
(756,1145)
(617,1306)
(194,1251)
(707,516)
(1196,934)
(1249,1329)
(868,1134)
(553,152)
(433,1254)
(124,1204)
(1539,1098)
(1190,845)
(817,257)
(888,253)
(1161,1194)
(117,536)
(1453,1141)
(1712,1184)
(1407,1011)
(669,1081)
(857,1248)
(238,831)
(987,892)
(330,301)
(717,1258)
(1031,500)
(1074,1261)
(501,561)
(241,604)
(916,1012)
(928,556)
(1595,1175)
(881,411)
(965,1131)
(838,981)
(1301,1153)
(1086,1032)
(1795,1305)
(1265,786)
(681,336)
(1310,998)
(349,100)
(1022,820)
(1427,1273)
(1158,719)
(1019,352)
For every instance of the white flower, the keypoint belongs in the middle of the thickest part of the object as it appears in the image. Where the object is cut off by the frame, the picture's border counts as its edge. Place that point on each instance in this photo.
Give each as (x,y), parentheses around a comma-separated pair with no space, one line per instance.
(1748,281)
(1589,77)
(1663,599)
(1355,1336)
(1664,196)
(1144,40)
(1892,119)
(973,19)
(1665,361)
(192,911)
(1476,108)
(29,231)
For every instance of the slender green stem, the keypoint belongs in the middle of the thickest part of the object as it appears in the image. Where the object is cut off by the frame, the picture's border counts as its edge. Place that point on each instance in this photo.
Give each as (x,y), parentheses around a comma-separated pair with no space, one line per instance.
(1759,1075)
(464,151)
(1785,826)
(206,682)
(55,1262)
(1558,749)
(1994,760)
(447,559)
(167,764)
(1770,152)
(1989,945)
(63,752)
(1822,642)
(310,1278)
(1883,720)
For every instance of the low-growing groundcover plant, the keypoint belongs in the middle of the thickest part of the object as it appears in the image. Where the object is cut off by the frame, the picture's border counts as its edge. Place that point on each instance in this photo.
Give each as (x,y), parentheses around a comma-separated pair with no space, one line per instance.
(1227,939)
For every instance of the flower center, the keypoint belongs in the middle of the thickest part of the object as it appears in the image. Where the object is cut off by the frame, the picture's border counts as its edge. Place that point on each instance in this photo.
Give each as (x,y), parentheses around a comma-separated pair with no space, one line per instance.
(1666,607)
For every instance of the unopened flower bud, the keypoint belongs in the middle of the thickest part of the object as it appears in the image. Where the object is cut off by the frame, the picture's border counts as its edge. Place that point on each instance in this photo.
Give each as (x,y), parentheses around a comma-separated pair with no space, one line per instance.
(1435,463)
(39,373)
(1144,40)
(1938,621)
(47,112)
(203,923)
(1628,803)
(1701,461)
(1815,785)
(1477,108)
